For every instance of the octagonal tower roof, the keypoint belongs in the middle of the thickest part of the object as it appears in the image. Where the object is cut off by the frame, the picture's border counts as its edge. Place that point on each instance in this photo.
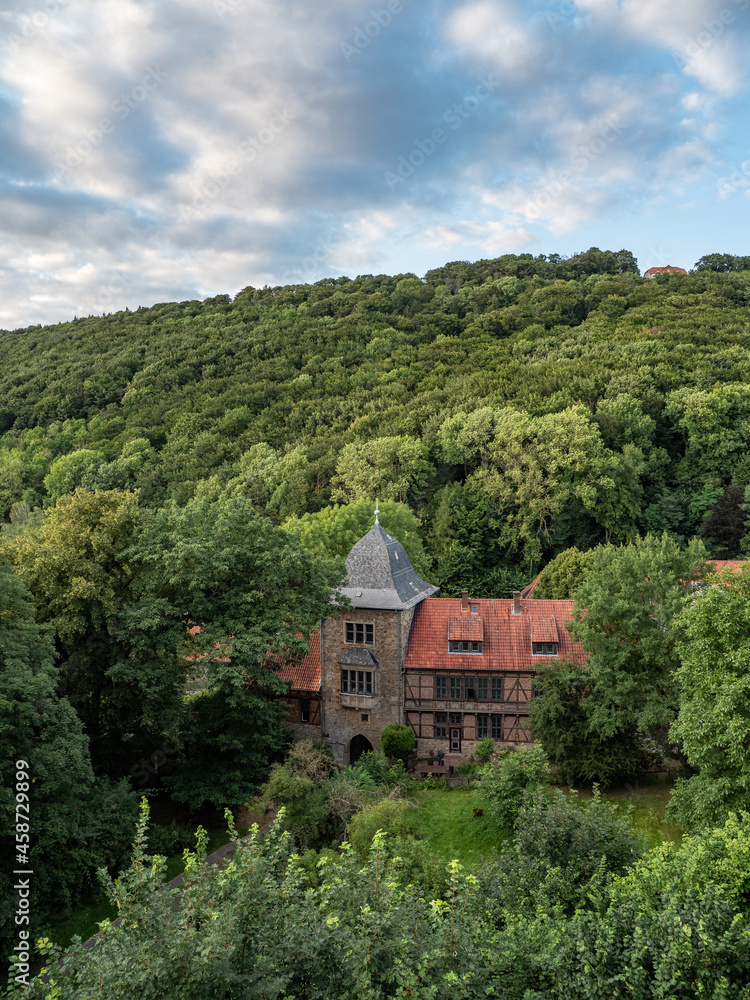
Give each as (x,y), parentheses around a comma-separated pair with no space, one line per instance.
(380,574)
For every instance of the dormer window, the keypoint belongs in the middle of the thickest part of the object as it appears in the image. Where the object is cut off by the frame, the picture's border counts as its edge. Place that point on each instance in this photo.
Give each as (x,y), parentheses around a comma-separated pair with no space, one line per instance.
(359,633)
(464,646)
(544,648)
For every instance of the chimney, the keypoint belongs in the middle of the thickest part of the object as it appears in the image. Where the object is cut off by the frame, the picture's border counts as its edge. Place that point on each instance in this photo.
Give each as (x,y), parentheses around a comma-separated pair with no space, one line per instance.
(516,602)
(464,602)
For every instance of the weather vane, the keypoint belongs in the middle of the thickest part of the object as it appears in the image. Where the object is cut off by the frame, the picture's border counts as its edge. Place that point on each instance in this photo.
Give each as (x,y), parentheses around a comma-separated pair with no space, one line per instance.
(377,513)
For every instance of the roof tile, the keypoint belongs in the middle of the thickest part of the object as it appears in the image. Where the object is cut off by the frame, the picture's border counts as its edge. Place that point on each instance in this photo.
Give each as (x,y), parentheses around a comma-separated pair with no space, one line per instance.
(507,637)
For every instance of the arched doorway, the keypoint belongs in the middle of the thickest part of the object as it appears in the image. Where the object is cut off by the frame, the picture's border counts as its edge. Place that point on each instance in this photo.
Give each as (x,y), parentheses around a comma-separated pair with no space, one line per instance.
(359,745)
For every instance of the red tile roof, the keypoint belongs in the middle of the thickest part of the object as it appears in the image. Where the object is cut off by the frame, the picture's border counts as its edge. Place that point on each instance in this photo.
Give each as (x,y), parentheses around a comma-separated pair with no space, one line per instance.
(305,676)
(507,637)
(669,269)
(735,565)
(544,629)
(466,626)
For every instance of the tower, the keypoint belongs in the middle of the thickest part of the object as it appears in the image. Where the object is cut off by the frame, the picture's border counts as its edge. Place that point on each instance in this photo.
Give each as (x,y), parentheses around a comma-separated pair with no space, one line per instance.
(363,648)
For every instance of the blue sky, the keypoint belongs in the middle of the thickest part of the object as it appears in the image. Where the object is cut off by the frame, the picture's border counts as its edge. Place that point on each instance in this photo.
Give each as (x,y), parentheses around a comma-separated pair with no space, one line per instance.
(173,149)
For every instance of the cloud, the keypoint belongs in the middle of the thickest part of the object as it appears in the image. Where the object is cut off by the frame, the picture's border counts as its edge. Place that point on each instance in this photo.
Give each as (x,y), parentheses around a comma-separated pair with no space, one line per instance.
(179,149)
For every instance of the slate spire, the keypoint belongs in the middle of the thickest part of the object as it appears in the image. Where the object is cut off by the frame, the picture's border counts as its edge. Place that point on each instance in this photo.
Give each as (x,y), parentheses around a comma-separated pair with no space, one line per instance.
(380,574)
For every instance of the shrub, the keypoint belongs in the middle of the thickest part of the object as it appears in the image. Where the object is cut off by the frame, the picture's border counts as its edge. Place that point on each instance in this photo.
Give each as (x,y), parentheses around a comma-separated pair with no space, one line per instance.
(396,817)
(397,742)
(484,749)
(507,779)
(562,846)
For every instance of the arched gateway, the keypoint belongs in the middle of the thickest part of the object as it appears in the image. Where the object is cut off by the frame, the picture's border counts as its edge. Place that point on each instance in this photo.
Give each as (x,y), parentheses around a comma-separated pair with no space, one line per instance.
(357,746)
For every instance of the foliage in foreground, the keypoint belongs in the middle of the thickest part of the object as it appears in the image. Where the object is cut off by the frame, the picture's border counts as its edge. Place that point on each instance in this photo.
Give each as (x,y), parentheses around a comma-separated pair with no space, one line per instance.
(673,925)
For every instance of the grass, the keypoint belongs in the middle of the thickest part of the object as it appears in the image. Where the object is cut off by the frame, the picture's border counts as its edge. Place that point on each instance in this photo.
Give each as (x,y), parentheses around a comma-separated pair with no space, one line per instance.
(447,821)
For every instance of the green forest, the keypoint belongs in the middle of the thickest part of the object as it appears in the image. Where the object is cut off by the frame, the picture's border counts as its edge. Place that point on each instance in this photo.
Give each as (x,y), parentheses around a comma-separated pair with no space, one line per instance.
(212,462)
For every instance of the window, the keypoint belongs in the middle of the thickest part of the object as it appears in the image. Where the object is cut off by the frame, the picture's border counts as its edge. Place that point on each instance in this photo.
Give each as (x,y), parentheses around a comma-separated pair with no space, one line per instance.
(365,717)
(356,682)
(456,688)
(463,646)
(441,725)
(482,688)
(441,687)
(455,718)
(359,633)
(544,648)
(497,689)
(537,690)
(470,687)
(496,727)
(304,710)
(482,726)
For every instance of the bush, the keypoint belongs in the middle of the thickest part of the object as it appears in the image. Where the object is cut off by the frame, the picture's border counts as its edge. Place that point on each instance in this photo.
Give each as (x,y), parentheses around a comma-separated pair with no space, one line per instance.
(562,846)
(396,817)
(169,840)
(484,749)
(397,742)
(507,779)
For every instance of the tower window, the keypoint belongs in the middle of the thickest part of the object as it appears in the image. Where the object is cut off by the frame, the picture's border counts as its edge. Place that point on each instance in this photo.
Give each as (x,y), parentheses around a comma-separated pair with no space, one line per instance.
(356,682)
(359,633)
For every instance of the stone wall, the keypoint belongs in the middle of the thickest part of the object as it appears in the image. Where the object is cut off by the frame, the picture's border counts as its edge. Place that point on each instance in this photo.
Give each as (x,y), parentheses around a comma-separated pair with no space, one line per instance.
(346,716)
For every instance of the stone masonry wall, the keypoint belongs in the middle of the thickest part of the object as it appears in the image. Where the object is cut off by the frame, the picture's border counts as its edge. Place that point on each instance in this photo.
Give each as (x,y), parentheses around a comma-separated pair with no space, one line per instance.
(343,714)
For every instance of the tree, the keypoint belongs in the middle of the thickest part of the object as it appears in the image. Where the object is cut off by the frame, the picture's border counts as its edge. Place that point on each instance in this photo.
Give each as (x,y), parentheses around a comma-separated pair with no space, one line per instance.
(120,664)
(561,578)
(333,531)
(394,468)
(624,619)
(724,525)
(560,721)
(75,823)
(713,724)
(251,595)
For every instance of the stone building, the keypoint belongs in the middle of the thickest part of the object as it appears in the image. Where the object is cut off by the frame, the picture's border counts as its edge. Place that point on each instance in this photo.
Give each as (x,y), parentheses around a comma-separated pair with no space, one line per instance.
(455,670)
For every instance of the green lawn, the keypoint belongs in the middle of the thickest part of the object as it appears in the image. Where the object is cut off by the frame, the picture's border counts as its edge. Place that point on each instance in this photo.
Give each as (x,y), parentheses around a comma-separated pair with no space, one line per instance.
(447,821)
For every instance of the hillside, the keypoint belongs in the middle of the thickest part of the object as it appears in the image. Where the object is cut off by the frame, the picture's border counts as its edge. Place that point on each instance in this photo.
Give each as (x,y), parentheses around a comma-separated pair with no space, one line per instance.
(518,406)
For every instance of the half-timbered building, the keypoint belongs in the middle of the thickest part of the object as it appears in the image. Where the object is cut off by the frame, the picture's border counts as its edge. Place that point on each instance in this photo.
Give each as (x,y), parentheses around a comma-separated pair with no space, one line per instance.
(454,669)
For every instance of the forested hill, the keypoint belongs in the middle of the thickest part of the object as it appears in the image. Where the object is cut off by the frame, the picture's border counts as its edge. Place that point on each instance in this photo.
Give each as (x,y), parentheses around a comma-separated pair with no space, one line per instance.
(518,406)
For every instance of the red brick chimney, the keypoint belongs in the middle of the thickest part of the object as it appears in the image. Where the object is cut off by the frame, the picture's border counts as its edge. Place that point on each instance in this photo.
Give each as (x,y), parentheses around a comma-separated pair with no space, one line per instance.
(464,602)
(516,602)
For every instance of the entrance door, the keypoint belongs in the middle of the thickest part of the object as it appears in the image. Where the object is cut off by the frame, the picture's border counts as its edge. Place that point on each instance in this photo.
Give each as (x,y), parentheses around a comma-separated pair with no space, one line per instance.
(455,740)
(359,745)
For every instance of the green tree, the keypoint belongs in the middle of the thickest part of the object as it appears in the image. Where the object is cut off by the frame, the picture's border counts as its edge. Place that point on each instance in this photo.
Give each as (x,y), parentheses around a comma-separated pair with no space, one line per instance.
(251,595)
(560,720)
(121,666)
(394,468)
(73,823)
(333,531)
(713,725)
(624,619)
(561,578)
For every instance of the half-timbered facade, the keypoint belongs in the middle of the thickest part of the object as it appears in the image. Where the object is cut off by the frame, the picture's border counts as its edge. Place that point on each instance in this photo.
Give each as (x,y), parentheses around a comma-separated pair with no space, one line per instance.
(454,669)
(471,665)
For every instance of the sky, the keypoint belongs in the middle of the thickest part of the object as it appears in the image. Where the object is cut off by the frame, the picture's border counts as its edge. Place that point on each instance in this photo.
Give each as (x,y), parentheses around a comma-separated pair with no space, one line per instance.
(162,150)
